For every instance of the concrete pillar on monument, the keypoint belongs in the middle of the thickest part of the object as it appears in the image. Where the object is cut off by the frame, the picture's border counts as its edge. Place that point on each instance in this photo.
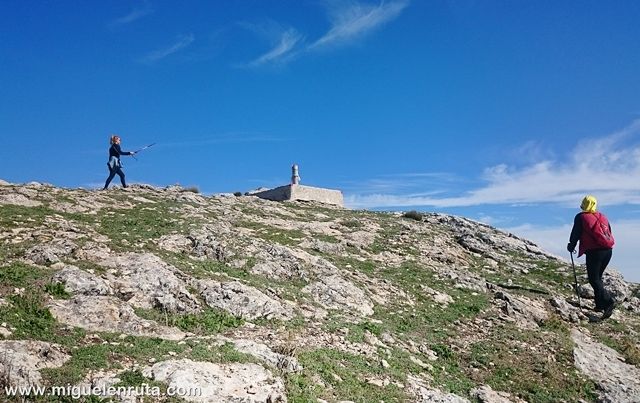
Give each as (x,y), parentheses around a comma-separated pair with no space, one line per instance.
(295,177)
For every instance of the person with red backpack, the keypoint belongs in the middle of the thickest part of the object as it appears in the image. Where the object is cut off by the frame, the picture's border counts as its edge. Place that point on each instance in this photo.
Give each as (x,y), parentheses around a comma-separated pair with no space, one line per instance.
(593,230)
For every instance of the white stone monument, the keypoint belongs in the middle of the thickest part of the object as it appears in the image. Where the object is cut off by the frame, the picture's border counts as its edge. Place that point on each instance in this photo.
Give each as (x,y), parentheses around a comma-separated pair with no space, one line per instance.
(296,191)
(295,177)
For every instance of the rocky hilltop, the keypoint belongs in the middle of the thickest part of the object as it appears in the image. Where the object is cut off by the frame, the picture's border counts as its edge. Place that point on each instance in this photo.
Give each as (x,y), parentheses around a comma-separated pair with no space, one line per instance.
(250,300)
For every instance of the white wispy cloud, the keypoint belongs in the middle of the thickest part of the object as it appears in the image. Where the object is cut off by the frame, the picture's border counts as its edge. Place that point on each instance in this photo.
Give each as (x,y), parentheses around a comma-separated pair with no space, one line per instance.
(402,182)
(608,167)
(554,239)
(225,138)
(353,20)
(135,14)
(283,48)
(181,42)
(349,21)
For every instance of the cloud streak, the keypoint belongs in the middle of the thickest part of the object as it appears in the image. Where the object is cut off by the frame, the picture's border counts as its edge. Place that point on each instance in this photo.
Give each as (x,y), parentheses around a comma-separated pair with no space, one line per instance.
(283,49)
(403,182)
(608,167)
(182,42)
(228,138)
(349,22)
(355,20)
(134,15)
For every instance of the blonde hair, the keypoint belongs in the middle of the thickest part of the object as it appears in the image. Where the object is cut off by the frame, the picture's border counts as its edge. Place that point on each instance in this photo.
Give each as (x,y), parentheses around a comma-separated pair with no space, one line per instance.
(114,139)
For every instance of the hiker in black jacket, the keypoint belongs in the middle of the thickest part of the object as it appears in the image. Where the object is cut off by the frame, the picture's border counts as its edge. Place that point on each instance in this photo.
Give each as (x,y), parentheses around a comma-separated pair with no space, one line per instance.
(115,167)
(592,229)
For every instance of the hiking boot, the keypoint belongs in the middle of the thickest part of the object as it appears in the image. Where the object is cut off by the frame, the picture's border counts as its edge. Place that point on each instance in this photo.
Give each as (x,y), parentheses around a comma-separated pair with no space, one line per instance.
(607,312)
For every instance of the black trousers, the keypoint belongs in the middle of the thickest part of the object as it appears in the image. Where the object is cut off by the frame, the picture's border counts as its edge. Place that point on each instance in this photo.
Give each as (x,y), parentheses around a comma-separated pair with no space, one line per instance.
(597,261)
(112,173)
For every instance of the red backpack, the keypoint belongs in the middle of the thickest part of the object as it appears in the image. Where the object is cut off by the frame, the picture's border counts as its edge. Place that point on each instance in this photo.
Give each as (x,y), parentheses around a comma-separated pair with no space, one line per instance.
(597,226)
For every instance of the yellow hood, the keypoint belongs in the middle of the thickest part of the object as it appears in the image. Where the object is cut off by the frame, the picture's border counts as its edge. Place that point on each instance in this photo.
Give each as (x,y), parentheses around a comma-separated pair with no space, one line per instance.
(589,204)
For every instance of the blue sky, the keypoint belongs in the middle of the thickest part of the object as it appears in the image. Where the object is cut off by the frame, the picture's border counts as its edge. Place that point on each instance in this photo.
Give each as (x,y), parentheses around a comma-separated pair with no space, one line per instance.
(506,112)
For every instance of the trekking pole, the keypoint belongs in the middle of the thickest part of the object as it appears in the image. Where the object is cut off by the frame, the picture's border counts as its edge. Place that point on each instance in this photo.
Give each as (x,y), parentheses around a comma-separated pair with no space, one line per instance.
(575,279)
(143,148)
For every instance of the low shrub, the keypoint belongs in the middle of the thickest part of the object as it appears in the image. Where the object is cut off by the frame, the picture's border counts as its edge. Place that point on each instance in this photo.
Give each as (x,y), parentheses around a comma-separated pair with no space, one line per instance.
(56,290)
(414,215)
(190,189)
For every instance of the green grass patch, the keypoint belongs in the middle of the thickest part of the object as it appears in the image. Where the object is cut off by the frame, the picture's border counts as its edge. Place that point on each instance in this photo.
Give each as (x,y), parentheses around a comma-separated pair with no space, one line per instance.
(352,223)
(554,323)
(250,211)
(218,271)
(448,372)
(388,239)
(310,210)
(225,353)
(629,349)
(133,378)
(425,320)
(345,376)
(109,356)
(203,269)
(297,323)
(20,275)
(621,337)
(400,365)
(325,238)
(550,273)
(432,324)
(89,267)
(12,216)
(115,350)
(345,262)
(141,223)
(64,399)
(210,321)
(62,198)
(543,275)
(539,281)
(334,324)
(382,243)
(32,320)
(213,269)
(534,365)
(57,290)
(272,234)
(253,212)
(27,314)
(10,251)
(357,331)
